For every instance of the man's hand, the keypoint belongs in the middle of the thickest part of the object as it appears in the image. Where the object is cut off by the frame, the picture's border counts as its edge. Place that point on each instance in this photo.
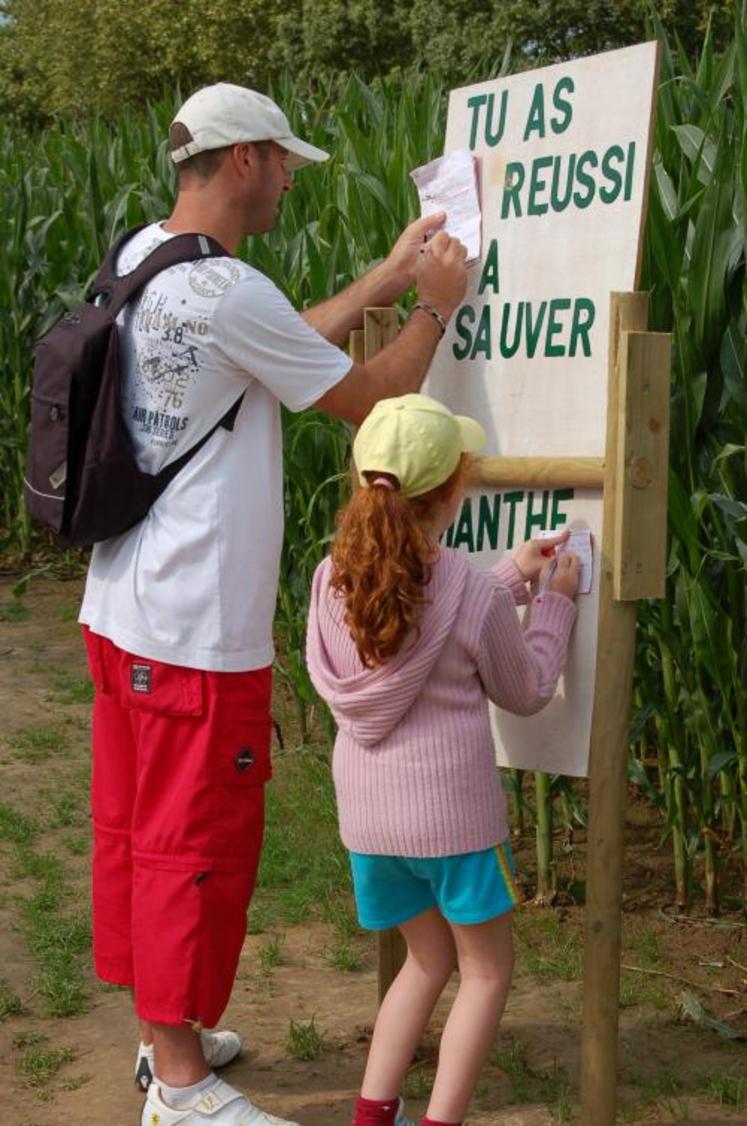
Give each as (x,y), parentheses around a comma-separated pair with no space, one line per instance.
(402,259)
(441,273)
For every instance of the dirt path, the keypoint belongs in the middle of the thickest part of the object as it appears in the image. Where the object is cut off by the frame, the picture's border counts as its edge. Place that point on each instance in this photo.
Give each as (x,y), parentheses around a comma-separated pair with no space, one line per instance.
(532,1077)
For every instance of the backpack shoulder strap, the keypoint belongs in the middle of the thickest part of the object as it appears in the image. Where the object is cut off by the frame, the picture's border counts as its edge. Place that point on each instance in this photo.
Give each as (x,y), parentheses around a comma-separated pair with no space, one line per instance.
(181,248)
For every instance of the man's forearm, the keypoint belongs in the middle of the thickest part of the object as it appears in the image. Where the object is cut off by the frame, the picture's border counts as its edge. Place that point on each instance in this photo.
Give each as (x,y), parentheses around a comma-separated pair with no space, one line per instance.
(399,368)
(335,318)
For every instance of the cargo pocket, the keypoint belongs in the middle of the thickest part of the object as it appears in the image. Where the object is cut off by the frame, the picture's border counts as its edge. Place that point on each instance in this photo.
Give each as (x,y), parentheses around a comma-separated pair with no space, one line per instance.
(167,690)
(240,768)
(46,467)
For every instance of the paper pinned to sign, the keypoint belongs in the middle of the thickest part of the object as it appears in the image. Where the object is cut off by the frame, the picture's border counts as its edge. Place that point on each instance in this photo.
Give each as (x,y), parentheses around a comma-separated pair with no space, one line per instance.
(580,543)
(449,184)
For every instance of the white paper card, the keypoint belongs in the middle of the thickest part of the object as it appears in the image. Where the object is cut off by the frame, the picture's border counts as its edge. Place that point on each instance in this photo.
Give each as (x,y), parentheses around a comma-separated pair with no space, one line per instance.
(580,543)
(449,184)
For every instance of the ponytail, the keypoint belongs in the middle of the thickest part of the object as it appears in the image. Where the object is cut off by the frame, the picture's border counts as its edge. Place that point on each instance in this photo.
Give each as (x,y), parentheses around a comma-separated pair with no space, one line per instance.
(381,562)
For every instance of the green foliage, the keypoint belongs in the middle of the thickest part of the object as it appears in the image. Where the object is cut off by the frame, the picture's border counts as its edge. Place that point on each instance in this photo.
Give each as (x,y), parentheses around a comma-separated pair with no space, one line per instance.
(135,51)
(692,661)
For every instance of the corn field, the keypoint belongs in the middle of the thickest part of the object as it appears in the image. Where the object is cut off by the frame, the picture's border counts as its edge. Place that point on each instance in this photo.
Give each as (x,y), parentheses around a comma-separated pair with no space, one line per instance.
(68,192)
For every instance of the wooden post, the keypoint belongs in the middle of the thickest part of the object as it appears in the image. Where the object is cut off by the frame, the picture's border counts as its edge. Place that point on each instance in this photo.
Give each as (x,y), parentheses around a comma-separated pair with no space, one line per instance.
(614,683)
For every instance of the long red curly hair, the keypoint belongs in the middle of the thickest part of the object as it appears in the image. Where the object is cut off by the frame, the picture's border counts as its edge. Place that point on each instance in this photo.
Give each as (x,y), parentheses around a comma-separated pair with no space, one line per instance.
(381,562)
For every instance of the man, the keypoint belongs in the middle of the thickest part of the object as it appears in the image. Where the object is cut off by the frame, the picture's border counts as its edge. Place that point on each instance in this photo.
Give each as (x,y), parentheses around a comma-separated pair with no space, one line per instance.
(178,611)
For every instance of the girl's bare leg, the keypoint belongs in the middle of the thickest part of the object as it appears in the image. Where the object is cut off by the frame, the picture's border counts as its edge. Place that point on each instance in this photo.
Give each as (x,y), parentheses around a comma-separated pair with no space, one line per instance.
(406,1009)
(485,958)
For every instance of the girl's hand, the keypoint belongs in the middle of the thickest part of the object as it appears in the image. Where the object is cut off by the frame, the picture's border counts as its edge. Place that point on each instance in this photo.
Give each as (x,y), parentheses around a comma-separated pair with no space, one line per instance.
(567,574)
(533,555)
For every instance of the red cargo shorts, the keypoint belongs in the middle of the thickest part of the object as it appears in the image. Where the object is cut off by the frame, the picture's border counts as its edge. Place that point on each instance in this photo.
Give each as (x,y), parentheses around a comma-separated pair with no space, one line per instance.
(180,758)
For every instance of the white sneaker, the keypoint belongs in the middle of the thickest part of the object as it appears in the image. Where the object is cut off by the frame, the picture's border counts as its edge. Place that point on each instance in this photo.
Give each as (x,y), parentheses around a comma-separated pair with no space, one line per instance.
(219,1048)
(400,1120)
(220,1105)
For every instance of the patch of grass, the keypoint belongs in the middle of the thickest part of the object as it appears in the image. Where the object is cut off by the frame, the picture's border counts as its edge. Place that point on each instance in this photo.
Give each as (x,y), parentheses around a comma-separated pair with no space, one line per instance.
(70,689)
(727,1090)
(28,1040)
(35,744)
(77,845)
(15,611)
(304,869)
(15,826)
(39,1066)
(554,1090)
(551,1086)
(343,956)
(65,809)
(304,1040)
(269,955)
(417,1084)
(68,611)
(60,942)
(639,989)
(547,947)
(10,1003)
(512,1061)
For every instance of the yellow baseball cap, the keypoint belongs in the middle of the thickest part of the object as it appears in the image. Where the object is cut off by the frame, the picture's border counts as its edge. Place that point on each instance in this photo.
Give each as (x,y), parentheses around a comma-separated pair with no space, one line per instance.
(415,439)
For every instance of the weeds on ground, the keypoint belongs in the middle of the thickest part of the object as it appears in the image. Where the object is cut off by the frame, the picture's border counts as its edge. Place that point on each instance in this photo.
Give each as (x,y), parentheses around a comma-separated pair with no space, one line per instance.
(35,744)
(15,611)
(727,1089)
(343,956)
(550,1086)
(304,1040)
(270,955)
(10,1003)
(39,1065)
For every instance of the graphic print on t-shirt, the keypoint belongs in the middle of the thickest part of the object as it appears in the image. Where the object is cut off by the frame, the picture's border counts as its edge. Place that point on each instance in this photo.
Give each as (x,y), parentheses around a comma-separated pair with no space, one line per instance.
(169,348)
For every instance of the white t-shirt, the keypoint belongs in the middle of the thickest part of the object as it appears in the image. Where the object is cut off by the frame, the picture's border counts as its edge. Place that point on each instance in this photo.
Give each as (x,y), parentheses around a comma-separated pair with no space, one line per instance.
(195,582)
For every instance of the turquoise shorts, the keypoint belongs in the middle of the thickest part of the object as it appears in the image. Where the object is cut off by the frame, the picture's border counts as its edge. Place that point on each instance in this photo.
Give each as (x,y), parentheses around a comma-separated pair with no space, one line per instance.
(469,888)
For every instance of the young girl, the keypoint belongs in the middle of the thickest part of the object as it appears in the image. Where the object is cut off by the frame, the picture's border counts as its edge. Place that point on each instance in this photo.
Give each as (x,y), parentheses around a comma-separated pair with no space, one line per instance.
(407,643)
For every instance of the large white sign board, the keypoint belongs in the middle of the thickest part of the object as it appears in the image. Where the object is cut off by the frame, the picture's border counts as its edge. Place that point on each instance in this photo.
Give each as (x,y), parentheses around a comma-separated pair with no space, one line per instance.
(563,169)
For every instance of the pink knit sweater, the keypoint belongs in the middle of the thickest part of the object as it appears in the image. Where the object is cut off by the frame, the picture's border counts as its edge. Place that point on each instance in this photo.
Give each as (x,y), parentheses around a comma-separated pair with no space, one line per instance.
(414,762)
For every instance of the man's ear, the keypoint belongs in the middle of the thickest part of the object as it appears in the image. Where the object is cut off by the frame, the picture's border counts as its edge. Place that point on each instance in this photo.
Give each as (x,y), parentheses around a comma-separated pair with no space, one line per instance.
(244,156)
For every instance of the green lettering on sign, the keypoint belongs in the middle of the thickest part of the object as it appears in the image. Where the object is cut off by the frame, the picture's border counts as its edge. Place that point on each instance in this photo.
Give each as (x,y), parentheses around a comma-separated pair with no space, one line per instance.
(463,533)
(483,342)
(589,157)
(561,123)
(536,519)
(512,185)
(488,521)
(537,185)
(490,275)
(536,118)
(464,318)
(512,499)
(584,314)
(558,518)
(554,326)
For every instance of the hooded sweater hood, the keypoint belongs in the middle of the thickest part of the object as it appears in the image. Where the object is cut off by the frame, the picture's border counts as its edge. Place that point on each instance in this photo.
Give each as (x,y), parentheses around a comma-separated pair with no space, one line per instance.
(368,703)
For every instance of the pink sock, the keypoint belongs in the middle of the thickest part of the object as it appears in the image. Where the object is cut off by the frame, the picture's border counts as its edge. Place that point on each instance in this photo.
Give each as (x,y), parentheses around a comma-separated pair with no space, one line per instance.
(437,1122)
(375,1112)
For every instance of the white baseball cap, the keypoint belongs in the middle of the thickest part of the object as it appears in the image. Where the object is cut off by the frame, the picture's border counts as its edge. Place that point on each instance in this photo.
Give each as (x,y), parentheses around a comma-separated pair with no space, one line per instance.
(224,114)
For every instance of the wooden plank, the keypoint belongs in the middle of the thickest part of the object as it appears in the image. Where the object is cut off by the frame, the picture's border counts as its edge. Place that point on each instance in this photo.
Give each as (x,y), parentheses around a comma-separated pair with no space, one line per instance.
(608,775)
(640,528)
(380,326)
(392,954)
(357,346)
(538,472)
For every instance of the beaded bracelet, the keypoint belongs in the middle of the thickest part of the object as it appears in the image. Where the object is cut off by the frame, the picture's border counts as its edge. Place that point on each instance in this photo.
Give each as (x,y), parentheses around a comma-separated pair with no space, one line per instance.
(434,313)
